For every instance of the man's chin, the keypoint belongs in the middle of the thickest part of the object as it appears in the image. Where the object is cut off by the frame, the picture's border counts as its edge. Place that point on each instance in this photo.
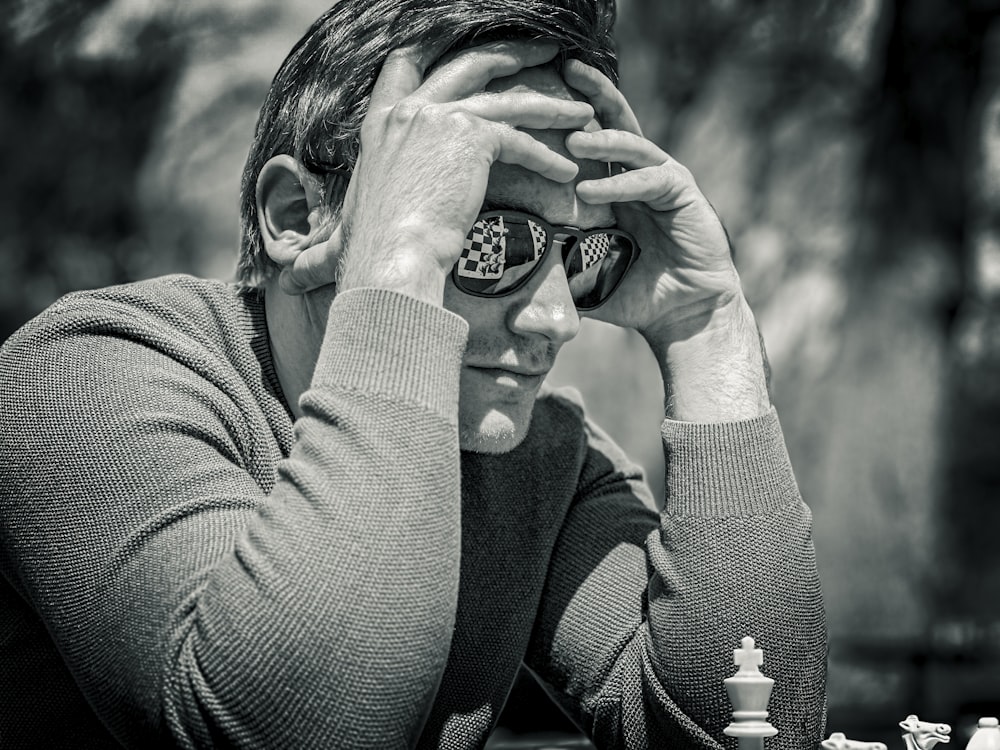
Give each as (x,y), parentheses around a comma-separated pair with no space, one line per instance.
(494,433)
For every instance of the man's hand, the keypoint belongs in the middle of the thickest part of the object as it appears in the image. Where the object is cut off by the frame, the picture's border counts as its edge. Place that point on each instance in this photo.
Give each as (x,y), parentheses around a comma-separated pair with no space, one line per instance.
(685,269)
(683,294)
(427,146)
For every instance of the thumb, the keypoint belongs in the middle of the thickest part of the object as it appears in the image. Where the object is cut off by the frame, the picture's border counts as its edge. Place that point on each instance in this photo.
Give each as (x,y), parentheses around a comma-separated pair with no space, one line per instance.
(315,266)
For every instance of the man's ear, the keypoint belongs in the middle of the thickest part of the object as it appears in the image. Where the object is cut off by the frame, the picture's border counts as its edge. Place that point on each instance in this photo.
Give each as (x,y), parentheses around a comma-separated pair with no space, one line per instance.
(289,208)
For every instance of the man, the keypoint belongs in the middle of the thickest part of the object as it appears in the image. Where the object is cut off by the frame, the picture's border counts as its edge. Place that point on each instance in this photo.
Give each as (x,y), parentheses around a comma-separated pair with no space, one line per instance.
(337,506)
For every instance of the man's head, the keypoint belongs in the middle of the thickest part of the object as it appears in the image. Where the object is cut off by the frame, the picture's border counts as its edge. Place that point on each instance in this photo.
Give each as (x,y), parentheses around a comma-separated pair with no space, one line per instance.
(319,97)
(514,339)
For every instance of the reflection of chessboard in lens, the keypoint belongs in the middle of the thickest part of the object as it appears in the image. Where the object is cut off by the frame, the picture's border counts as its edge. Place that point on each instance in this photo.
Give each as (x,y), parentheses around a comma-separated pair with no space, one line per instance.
(538,237)
(484,250)
(594,249)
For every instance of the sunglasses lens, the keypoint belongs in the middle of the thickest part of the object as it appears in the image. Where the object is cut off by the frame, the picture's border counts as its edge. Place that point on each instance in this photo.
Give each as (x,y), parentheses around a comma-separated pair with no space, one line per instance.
(498,253)
(596,266)
(503,249)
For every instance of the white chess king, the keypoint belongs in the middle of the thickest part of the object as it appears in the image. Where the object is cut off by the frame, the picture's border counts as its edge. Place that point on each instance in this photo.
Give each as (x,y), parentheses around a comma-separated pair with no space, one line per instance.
(749,692)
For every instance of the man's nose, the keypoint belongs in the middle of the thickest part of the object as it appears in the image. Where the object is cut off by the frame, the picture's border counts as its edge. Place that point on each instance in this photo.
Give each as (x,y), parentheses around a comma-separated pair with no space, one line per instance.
(547,309)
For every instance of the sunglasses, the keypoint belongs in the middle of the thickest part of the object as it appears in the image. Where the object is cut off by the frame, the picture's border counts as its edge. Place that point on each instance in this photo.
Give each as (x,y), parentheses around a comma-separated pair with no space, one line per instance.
(504,249)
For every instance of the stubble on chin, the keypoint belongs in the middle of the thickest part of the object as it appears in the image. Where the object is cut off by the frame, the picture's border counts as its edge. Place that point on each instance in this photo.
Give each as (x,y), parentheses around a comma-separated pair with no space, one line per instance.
(494,435)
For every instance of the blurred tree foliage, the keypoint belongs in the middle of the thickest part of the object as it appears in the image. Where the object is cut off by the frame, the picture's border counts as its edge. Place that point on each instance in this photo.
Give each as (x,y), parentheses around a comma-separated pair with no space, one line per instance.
(75,129)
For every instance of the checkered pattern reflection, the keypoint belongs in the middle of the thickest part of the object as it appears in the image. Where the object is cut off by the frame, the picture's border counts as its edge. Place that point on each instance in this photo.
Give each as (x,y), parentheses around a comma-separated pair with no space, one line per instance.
(538,238)
(594,248)
(485,249)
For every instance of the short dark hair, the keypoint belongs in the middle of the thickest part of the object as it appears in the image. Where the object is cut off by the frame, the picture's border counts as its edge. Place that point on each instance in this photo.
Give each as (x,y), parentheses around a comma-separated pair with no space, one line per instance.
(319,97)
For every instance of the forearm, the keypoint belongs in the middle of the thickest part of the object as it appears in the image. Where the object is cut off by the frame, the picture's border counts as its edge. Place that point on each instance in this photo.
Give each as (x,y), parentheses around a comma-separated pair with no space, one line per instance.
(730,555)
(735,557)
(350,575)
(735,534)
(712,364)
(197,590)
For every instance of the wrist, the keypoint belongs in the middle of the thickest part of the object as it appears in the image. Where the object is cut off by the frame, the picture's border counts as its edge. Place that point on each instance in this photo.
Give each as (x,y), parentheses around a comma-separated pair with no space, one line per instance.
(712,364)
(410,257)
(404,271)
(721,310)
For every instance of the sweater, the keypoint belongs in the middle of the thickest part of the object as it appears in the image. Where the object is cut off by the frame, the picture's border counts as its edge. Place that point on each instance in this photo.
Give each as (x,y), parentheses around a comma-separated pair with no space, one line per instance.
(185,565)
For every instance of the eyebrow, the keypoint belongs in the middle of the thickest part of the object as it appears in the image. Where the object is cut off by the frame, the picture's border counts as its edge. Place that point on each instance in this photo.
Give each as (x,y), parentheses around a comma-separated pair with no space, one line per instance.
(526,205)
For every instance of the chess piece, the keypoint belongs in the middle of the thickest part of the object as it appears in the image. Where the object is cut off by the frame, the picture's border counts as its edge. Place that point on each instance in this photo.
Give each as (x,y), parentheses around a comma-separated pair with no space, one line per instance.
(986,736)
(837,741)
(749,692)
(923,735)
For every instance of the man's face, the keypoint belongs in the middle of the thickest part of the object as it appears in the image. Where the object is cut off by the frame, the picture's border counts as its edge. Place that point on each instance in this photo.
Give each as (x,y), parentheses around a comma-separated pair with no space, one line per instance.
(513,340)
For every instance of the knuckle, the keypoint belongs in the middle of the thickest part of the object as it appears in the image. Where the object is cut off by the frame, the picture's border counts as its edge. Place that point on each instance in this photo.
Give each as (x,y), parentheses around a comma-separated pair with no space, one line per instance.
(516,139)
(655,179)
(469,60)
(684,174)
(401,55)
(404,111)
(460,122)
(617,106)
(314,275)
(659,180)
(477,55)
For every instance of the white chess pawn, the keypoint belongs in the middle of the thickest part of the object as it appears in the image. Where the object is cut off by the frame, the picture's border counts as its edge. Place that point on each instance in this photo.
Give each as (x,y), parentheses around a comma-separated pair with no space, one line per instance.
(749,692)
(986,736)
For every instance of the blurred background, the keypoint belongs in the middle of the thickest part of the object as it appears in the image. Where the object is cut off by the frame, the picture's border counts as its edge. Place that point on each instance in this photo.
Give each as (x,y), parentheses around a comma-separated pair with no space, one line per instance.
(852,148)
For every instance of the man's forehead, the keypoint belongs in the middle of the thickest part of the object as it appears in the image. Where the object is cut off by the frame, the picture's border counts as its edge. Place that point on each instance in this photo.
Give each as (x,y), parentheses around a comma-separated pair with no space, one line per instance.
(544,79)
(516,187)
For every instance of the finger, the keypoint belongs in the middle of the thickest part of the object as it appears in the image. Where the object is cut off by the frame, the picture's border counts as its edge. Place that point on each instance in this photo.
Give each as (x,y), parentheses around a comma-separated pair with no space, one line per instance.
(469,70)
(519,148)
(665,187)
(315,266)
(612,107)
(619,146)
(401,75)
(529,110)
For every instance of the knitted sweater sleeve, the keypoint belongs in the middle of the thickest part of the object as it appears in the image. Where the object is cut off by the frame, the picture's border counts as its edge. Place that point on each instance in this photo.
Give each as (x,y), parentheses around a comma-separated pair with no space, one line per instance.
(643,609)
(193,608)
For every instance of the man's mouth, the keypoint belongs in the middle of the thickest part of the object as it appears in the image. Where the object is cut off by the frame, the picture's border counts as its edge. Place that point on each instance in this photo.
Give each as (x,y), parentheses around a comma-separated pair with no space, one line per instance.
(511,376)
